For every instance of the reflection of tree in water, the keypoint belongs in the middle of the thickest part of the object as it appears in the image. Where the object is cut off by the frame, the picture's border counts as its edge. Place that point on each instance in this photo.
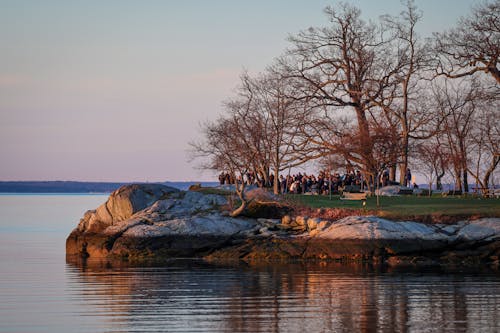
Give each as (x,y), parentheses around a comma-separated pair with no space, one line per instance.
(295,297)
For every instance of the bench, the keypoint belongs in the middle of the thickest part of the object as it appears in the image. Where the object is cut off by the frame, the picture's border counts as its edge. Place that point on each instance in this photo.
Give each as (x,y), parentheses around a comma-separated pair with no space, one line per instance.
(494,193)
(487,192)
(405,191)
(353,196)
(424,193)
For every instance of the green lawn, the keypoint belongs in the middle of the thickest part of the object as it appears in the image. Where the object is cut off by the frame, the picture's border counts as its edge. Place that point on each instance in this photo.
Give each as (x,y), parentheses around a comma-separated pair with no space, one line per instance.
(408,205)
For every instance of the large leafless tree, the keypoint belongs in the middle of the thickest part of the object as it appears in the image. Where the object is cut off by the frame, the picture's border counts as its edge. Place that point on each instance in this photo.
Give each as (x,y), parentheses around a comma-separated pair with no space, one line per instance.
(344,67)
(405,106)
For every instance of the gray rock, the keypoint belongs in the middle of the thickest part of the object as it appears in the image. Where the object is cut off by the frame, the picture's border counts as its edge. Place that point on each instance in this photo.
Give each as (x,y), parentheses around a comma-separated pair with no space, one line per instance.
(312,223)
(122,204)
(154,220)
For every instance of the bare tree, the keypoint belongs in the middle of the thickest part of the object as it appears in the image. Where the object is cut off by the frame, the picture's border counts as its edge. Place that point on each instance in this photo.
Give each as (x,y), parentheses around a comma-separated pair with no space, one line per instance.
(283,117)
(458,103)
(225,147)
(432,161)
(486,143)
(406,103)
(473,45)
(344,67)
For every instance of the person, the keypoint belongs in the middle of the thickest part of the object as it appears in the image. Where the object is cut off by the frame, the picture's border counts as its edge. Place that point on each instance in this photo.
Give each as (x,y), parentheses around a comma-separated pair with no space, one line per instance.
(282,184)
(385,177)
(408,177)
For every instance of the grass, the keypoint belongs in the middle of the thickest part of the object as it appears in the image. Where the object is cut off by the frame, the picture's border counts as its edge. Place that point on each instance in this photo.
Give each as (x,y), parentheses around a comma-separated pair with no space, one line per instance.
(212,190)
(407,206)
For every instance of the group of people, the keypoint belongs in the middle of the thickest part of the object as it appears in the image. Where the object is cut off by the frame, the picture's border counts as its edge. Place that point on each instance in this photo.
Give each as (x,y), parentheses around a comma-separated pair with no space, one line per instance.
(323,183)
(385,178)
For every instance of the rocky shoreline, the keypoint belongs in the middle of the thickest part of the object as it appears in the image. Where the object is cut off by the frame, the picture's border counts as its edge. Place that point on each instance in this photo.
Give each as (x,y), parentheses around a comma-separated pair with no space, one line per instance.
(148,221)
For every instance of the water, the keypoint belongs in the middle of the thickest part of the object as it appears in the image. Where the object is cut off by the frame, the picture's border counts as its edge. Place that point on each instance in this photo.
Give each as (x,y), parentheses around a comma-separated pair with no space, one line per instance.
(40,292)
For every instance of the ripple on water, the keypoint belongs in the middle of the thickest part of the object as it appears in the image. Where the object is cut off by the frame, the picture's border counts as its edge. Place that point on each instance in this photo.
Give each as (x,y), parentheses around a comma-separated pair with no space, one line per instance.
(195,296)
(40,292)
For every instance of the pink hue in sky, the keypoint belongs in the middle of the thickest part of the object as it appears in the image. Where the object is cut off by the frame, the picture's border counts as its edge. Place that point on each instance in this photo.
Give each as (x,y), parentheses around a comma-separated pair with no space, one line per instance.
(115,90)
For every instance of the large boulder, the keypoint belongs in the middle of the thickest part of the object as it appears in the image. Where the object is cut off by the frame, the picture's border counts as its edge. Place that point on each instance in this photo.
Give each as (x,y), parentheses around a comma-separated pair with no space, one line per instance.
(122,204)
(144,220)
(393,190)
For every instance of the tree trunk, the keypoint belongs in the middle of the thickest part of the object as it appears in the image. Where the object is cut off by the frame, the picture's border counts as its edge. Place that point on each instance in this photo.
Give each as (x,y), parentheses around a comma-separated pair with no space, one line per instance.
(392,173)
(466,183)
(276,185)
(487,174)
(404,159)
(365,140)
(439,185)
(241,194)
(458,179)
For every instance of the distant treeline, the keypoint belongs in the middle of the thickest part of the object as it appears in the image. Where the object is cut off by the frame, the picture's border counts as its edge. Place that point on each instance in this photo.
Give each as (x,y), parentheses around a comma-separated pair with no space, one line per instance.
(57,187)
(76,187)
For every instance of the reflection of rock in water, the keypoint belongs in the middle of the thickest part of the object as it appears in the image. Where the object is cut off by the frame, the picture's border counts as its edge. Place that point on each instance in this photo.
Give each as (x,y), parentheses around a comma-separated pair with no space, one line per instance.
(194,295)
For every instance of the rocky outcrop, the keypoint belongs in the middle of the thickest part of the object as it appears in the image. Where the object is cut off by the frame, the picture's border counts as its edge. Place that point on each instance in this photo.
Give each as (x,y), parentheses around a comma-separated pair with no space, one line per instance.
(122,204)
(148,220)
(370,238)
(155,221)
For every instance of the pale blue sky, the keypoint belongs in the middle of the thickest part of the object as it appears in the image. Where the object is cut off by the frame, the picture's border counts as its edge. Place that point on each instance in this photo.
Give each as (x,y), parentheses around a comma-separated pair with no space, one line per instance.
(115,90)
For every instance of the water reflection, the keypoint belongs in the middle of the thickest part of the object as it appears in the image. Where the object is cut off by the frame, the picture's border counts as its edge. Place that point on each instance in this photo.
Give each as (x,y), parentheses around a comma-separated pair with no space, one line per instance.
(196,296)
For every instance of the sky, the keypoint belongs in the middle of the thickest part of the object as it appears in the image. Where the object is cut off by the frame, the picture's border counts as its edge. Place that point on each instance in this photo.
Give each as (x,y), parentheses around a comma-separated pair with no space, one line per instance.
(115,90)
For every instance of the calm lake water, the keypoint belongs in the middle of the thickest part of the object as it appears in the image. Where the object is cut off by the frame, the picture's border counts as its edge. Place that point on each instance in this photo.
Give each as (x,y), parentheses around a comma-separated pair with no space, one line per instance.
(40,292)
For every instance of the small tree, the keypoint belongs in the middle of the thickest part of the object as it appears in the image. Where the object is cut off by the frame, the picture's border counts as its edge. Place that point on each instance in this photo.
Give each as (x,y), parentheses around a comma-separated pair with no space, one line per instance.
(486,144)
(458,103)
(406,102)
(432,161)
(225,147)
(281,118)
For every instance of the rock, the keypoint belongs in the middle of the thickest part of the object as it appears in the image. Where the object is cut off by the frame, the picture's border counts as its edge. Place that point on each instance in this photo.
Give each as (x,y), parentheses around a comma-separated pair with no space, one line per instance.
(195,187)
(301,221)
(286,220)
(268,221)
(323,225)
(122,204)
(314,232)
(392,190)
(151,220)
(284,227)
(148,221)
(312,223)
(373,227)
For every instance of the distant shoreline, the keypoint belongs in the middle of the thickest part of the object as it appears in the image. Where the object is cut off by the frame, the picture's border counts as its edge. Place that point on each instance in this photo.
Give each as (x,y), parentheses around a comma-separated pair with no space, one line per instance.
(78,187)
